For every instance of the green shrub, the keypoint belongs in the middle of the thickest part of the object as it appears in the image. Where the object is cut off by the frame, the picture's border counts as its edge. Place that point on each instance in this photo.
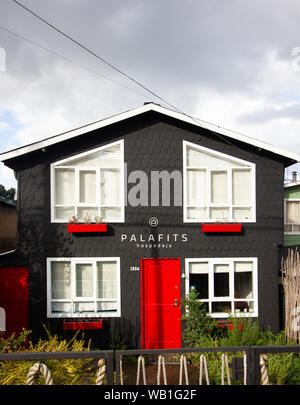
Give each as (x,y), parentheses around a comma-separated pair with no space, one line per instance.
(64,372)
(197,322)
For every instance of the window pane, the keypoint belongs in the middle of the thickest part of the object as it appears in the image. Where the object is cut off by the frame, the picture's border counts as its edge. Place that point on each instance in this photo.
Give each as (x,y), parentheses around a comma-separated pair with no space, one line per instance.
(196,187)
(106,306)
(219,214)
(198,158)
(241,187)
(197,268)
(197,213)
(84,280)
(60,307)
(61,280)
(243,280)
(87,187)
(221,280)
(111,214)
(244,306)
(64,212)
(199,284)
(87,212)
(106,280)
(64,186)
(110,187)
(292,212)
(110,157)
(84,307)
(243,266)
(240,214)
(221,307)
(219,187)
(243,285)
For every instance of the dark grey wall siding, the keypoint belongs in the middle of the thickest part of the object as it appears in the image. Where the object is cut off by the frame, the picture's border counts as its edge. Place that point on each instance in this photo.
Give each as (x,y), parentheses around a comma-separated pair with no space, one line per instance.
(150,143)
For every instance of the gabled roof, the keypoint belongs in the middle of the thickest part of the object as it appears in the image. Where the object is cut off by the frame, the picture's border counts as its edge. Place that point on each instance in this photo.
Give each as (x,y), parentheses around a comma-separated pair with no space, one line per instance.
(141,110)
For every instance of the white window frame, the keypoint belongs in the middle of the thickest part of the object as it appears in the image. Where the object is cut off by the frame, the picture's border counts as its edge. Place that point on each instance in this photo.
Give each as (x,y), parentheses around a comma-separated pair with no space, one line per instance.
(94,299)
(230,261)
(97,169)
(285,216)
(229,171)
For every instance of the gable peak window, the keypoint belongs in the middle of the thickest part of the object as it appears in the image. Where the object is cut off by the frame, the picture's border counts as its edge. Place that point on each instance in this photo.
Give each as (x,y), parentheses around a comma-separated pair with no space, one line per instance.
(217,187)
(89,185)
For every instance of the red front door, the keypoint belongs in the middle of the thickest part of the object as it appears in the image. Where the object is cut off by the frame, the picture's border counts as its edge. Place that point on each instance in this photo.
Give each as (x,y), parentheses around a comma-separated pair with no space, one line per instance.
(14,298)
(160,291)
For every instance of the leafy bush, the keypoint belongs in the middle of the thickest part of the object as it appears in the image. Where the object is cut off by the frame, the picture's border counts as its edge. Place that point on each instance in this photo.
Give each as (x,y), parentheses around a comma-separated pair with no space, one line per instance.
(203,331)
(14,342)
(197,322)
(64,372)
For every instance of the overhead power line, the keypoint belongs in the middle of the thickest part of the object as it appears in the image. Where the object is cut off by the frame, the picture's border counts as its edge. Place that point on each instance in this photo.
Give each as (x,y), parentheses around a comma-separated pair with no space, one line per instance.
(198,120)
(71,61)
(92,52)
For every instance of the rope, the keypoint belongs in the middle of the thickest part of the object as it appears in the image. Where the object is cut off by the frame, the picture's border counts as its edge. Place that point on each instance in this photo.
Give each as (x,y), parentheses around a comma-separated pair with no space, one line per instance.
(161,364)
(263,370)
(43,369)
(141,364)
(225,362)
(121,370)
(245,368)
(203,365)
(183,366)
(101,372)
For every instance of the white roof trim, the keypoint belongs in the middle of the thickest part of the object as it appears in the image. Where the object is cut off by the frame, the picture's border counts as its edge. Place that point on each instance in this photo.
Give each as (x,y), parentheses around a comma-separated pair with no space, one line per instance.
(140,110)
(292,184)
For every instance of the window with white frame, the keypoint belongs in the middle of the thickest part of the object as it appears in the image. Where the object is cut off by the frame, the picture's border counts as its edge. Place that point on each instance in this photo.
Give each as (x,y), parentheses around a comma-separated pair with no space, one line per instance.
(217,187)
(89,185)
(227,286)
(292,216)
(83,287)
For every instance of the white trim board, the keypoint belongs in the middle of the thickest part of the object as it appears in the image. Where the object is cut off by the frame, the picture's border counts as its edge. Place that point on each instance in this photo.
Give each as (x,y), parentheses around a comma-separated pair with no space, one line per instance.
(138,111)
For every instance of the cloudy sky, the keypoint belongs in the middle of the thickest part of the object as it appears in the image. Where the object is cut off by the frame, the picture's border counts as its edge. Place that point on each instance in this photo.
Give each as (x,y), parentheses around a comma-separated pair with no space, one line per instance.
(235,63)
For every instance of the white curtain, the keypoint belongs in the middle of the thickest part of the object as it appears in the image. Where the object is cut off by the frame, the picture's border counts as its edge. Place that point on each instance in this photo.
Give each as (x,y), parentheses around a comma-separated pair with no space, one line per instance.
(241,187)
(87,187)
(61,280)
(292,212)
(84,280)
(196,187)
(107,280)
(219,192)
(110,187)
(64,186)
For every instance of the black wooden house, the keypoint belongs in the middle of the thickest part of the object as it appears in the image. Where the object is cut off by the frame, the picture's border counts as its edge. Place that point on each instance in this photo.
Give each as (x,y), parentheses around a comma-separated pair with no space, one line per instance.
(119,219)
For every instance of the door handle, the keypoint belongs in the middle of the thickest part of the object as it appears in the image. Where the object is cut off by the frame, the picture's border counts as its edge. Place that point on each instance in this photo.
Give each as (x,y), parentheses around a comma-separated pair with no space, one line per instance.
(176,302)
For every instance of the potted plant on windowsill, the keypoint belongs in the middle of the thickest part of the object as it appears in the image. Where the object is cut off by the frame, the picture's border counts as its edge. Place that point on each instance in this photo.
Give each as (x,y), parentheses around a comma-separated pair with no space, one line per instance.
(87,226)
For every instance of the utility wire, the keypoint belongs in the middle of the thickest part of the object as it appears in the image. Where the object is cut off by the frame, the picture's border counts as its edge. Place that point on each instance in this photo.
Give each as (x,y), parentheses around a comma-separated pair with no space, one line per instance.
(198,120)
(91,52)
(71,61)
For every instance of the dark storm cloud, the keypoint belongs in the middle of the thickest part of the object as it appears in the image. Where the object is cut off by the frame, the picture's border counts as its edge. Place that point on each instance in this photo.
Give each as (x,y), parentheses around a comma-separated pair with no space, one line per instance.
(221,44)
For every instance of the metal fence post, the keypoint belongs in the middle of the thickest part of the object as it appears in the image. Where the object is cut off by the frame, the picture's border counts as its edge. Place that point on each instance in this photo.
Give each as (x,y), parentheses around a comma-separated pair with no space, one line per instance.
(110,367)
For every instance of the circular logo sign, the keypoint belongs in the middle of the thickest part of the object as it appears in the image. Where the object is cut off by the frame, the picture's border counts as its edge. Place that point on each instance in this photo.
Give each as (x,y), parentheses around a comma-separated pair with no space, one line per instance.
(153,222)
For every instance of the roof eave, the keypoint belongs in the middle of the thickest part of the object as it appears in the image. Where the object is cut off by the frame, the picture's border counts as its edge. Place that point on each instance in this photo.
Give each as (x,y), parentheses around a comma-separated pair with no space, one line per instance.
(291,157)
